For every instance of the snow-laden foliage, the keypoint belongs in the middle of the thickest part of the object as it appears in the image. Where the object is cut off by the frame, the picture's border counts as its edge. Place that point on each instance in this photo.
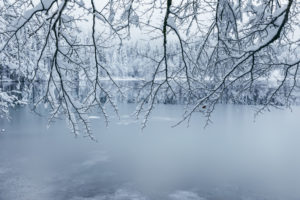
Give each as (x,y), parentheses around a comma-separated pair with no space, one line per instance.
(204,52)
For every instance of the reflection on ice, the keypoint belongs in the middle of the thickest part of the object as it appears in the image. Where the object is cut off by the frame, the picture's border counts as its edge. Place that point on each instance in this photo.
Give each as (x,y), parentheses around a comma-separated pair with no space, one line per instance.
(185,195)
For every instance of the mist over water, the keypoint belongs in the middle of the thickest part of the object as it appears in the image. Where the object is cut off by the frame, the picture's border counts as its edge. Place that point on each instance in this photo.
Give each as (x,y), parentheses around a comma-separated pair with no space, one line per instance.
(233,158)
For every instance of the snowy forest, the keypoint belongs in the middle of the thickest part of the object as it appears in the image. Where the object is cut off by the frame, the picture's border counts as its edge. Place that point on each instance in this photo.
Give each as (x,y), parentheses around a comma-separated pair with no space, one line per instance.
(75,56)
(149,99)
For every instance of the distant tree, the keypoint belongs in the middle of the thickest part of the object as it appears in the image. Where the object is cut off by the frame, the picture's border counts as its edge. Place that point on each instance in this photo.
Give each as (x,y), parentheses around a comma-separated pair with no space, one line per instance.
(206,47)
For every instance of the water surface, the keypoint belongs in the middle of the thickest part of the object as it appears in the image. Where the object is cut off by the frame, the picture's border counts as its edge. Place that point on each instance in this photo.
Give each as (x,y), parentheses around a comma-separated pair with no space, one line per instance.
(233,158)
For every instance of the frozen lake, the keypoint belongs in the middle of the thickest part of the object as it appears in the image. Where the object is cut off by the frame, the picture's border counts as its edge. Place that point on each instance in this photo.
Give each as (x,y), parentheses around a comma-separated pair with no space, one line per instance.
(234,158)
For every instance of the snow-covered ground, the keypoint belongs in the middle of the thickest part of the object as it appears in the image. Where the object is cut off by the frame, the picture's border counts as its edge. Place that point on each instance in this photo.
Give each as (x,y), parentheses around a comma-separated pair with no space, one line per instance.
(234,158)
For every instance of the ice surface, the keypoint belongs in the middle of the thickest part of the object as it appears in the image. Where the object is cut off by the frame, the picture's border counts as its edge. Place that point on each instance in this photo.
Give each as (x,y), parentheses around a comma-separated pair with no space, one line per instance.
(234,158)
